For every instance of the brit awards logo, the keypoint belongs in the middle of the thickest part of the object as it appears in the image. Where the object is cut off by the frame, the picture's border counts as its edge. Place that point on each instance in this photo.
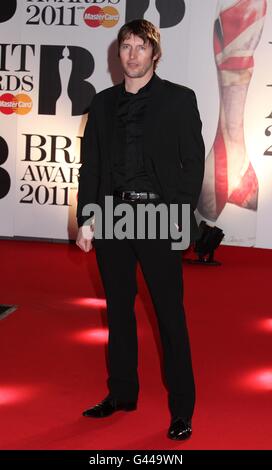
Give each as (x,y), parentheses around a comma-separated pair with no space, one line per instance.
(4,176)
(64,75)
(170,13)
(7,10)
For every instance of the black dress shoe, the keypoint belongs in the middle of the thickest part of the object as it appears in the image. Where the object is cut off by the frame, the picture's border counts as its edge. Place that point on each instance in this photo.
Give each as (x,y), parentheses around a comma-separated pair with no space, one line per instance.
(108,406)
(180,429)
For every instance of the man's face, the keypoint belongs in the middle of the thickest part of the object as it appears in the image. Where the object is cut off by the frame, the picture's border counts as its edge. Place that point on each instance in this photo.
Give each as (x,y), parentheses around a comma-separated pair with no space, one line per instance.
(136,57)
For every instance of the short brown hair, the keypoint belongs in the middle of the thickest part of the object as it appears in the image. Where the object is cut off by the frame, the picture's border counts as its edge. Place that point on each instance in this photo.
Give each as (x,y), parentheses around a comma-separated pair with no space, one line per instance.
(146,31)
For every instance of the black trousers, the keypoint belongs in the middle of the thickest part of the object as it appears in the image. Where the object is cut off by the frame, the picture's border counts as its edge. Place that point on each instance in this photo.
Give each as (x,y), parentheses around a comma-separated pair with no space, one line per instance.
(162,269)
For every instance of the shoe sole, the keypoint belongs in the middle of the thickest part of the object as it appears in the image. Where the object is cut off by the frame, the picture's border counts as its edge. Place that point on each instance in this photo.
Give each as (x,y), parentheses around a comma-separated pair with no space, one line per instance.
(125,408)
(179,438)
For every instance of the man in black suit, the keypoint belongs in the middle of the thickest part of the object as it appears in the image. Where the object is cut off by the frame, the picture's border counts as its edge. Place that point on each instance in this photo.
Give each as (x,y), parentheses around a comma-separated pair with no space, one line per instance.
(143,145)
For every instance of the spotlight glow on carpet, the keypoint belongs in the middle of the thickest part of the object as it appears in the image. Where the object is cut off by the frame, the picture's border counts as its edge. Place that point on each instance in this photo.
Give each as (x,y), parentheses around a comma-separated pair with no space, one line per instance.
(260,380)
(91,302)
(93,336)
(14,394)
(265,325)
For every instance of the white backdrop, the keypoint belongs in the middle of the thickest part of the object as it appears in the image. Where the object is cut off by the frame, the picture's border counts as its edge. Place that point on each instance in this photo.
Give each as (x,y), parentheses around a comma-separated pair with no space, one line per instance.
(55,55)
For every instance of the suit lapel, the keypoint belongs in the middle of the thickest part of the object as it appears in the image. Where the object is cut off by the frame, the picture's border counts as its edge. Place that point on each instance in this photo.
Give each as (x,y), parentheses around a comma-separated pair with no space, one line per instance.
(153,116)
(111,117)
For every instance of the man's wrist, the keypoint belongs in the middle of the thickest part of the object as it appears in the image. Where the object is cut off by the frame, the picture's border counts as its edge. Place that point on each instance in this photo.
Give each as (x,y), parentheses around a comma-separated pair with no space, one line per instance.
(82,219)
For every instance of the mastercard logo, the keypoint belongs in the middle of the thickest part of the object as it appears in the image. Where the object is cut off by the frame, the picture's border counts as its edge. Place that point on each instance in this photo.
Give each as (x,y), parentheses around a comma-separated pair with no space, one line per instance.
(95,16)
(18,104)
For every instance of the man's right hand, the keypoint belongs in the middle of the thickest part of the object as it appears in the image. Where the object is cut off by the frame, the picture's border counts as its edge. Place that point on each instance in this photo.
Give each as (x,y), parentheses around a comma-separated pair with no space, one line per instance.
(84,238)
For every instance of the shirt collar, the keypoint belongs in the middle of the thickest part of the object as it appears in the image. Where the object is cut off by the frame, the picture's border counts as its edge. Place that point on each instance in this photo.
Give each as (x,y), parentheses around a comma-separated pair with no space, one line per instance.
(146,87)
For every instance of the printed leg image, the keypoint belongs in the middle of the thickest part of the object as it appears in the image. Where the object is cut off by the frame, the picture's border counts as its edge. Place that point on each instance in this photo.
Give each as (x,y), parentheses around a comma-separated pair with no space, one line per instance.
(229,175)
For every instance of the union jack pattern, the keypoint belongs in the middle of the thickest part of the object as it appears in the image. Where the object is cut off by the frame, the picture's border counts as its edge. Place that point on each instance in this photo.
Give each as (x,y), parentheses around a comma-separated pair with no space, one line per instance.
(229,175)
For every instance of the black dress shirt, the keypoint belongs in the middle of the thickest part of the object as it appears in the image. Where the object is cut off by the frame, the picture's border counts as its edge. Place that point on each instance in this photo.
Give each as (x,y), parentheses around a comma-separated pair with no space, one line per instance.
(129,172)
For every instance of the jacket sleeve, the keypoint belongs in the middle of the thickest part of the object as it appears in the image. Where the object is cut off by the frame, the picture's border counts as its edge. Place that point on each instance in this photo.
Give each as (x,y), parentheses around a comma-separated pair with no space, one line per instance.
(89,173)
(191,152)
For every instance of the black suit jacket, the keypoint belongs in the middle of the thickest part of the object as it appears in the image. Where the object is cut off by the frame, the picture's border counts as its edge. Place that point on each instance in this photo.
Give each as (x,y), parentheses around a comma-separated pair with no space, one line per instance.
(172,146)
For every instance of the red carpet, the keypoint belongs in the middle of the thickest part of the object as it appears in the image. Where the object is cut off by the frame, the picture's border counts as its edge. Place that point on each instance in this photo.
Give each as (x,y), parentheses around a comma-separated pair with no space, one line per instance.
(53,353)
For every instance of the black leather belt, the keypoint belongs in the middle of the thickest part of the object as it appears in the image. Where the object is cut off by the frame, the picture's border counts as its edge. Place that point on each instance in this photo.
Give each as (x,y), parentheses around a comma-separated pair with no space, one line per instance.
(136,196)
